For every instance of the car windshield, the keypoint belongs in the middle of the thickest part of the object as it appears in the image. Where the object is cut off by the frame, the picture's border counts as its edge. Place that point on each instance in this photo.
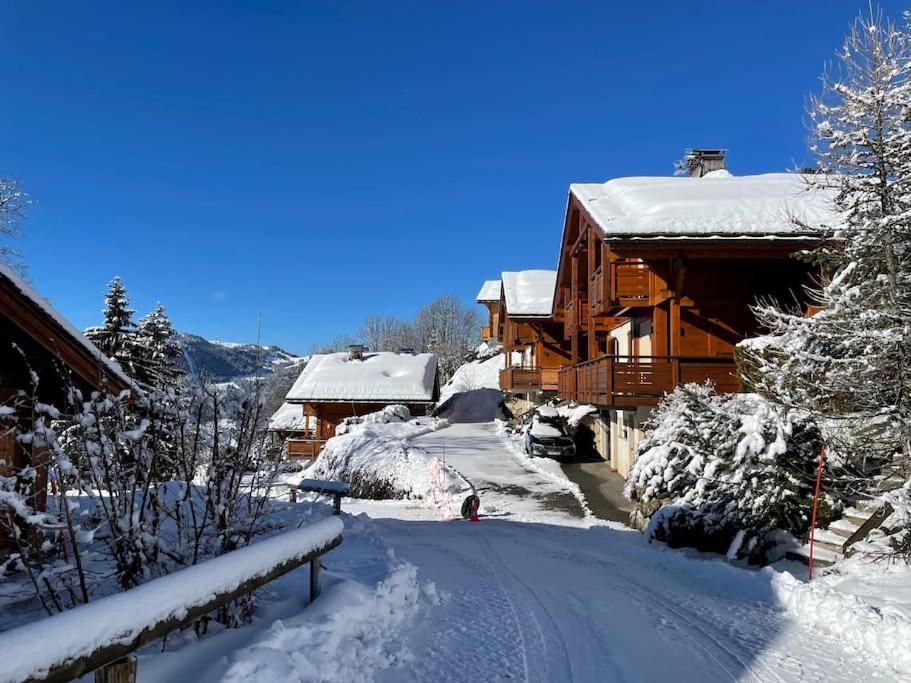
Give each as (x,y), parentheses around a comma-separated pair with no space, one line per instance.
(542,427)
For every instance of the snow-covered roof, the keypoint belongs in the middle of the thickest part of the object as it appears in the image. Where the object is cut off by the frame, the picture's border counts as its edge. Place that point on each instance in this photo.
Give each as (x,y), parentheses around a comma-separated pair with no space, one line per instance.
(45,306)
(289,418)
(719,204)
(529,293)
(490,291)
(377,377)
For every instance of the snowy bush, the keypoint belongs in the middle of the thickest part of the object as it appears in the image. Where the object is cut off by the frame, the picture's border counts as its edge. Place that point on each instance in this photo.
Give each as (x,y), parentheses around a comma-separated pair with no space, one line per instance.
(375,456)
(111,522)
(723,463)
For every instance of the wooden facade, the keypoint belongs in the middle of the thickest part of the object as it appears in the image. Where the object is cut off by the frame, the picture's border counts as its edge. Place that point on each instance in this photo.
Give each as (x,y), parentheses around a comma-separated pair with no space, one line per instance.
(641,316)
(36,344)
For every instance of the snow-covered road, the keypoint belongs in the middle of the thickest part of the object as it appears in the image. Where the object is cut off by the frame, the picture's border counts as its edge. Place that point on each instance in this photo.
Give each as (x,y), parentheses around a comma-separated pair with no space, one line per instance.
(536,594)
(507,487)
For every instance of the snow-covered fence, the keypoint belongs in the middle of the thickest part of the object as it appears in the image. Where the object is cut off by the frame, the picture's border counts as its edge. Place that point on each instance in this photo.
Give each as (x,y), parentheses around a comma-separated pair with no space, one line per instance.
(97,634)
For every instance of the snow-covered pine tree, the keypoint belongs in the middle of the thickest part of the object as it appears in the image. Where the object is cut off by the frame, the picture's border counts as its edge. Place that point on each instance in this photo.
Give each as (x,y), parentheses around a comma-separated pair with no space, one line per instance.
(115,336)
(850,364)
(724,463)
(156,353)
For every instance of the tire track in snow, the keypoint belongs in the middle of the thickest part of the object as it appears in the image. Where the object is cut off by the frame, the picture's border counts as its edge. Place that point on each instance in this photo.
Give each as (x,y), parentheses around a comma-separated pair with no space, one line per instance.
(542,669)
(476,641)
(728,659)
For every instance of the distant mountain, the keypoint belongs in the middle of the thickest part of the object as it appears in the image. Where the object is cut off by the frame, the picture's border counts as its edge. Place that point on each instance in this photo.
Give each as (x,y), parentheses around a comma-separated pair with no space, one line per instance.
(224,361)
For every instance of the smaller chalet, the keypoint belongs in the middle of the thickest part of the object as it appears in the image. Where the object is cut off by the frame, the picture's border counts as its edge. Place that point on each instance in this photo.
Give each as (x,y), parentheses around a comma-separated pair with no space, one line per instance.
(530,330)
(489,297)
(335,386)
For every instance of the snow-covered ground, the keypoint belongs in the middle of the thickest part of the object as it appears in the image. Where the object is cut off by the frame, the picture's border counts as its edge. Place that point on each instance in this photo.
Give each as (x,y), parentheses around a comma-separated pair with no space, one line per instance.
(538,590)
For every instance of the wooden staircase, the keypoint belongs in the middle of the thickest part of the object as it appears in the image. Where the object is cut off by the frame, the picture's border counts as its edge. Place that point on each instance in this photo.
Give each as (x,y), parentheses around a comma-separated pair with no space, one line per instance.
(834,543)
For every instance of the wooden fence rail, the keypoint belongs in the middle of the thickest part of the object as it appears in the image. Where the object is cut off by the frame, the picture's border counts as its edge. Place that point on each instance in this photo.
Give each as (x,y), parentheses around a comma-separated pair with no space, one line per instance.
(101,633)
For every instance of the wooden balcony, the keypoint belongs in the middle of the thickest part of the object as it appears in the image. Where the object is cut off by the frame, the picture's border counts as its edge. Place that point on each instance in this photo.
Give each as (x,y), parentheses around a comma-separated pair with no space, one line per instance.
(641,381)
(631,284)
(304,449)
(621,283)
(520,379)
(485,334)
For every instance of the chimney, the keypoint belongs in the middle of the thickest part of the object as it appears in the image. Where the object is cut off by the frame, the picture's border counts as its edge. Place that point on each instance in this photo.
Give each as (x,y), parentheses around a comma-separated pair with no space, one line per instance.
(697,162)
(356,351)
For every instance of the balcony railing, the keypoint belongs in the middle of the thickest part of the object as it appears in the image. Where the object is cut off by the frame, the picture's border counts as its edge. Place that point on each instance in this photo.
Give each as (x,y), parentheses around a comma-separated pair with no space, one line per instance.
(304,449)
(638,381)
(631,283)
(520,379)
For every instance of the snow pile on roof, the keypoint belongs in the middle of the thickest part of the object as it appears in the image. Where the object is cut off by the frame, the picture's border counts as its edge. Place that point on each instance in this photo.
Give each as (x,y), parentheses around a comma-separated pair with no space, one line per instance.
(490,291)
(30,651)
(529,292)
(377,459)
(759,205)
(378,377)
(289,418)
(573,413)
(42,303)
(866,605)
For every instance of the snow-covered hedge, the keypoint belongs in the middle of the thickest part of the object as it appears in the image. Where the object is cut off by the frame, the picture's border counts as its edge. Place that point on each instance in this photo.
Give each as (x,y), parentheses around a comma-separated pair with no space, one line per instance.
(723,463)
(375,455)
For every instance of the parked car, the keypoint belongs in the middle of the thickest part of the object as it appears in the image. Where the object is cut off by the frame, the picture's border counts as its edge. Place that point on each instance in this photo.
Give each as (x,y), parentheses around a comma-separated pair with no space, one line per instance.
(549,437)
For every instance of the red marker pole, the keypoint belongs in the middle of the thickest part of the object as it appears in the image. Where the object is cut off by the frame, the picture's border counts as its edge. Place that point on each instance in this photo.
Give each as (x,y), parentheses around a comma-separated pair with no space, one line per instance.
(475,504)
(822,462)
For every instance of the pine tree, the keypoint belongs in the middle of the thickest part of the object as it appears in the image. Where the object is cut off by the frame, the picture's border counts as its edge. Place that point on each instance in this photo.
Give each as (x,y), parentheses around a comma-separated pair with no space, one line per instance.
(157,352)
(116,335)
(850,365)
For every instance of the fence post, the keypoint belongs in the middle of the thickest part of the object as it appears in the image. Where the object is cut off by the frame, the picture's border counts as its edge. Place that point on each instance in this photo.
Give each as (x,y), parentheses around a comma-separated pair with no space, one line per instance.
(314,578)
(121,671)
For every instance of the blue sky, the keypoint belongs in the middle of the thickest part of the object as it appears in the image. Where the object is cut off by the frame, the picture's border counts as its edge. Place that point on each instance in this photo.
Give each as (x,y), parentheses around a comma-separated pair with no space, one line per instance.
(319,161)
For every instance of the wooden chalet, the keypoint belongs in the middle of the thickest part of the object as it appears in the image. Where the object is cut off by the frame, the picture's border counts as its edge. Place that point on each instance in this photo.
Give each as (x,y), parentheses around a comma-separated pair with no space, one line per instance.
(532,337)
(489,297)
(37,343)
(655,282)
(336,386)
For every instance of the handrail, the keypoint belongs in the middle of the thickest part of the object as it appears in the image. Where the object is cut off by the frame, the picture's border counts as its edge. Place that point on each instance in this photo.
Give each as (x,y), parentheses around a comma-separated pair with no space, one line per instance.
(99,633)
(634,359)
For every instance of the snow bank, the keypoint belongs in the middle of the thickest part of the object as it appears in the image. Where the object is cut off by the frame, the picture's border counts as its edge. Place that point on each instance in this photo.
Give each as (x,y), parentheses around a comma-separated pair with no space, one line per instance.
(122,617)
(473,392)
(377,377)
(375,456)
(759,205)
(867,606)
(356,638)
(529,292)
(478,374)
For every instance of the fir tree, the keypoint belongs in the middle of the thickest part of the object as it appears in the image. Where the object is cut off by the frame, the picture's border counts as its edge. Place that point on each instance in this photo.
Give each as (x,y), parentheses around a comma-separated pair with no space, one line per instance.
(850,365)
(115,336)
(157,353)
